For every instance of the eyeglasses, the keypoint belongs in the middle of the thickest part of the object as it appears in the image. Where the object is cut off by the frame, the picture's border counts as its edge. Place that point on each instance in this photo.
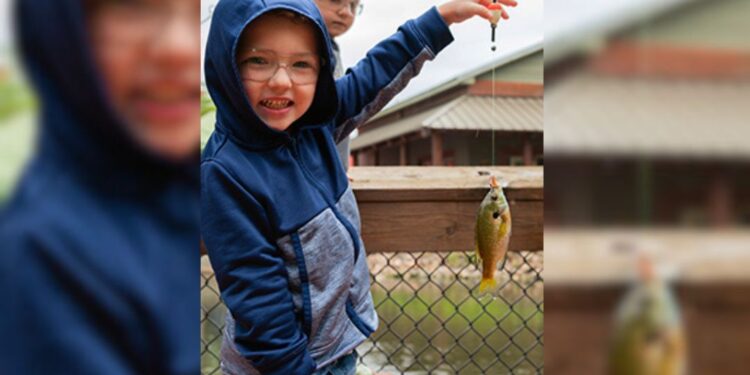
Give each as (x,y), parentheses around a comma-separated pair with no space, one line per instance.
(355,7)
(260,65)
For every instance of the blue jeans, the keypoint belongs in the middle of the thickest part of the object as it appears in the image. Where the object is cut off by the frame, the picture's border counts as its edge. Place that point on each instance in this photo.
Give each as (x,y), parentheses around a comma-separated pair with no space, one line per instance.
(346,365)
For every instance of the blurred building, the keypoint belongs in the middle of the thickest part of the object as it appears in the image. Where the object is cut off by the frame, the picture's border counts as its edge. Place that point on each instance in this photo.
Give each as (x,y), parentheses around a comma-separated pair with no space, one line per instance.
(646,141)
(647,124)
(453,123)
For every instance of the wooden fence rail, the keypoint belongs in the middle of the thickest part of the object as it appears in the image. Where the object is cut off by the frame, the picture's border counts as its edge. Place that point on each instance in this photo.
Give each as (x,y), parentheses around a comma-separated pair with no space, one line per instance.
(415,209)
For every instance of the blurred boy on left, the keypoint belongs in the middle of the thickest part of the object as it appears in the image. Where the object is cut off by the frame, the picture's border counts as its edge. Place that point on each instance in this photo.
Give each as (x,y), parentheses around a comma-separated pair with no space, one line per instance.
(99,243)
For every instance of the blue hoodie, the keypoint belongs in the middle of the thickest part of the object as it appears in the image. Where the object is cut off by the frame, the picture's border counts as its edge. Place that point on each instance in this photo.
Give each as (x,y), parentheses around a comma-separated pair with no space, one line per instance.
(278,217)
(99,261)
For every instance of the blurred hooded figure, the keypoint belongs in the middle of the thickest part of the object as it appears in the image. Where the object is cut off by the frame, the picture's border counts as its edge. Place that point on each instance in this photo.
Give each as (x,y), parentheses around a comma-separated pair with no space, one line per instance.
(99,257)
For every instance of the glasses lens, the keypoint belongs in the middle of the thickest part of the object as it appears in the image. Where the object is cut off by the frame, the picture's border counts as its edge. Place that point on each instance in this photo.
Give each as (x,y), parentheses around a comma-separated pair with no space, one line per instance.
(304,70)
(260,66)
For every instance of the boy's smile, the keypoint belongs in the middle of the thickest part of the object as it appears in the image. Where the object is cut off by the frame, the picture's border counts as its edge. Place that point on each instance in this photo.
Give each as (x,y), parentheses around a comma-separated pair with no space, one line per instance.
(276,104)
(275,108)
(277,57)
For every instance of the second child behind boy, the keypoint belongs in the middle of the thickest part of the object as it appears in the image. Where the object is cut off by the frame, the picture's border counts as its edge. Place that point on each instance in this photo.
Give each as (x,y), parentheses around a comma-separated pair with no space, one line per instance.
(339,16)
(278,216)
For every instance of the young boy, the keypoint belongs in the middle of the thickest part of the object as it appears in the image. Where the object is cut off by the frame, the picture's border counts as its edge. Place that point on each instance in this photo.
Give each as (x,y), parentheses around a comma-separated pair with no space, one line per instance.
(339,17)
(277,214)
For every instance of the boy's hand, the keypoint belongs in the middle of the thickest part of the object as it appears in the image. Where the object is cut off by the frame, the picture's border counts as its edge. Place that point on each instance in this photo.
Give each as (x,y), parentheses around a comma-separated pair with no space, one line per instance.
(457,11)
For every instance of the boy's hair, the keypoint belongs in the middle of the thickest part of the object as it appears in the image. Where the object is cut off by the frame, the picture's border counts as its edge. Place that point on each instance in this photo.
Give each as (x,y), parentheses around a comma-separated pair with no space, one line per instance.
(295,18)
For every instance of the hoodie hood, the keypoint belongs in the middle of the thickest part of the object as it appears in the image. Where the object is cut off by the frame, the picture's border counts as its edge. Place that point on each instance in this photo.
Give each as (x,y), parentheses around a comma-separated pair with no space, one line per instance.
(79,128)
(235,116)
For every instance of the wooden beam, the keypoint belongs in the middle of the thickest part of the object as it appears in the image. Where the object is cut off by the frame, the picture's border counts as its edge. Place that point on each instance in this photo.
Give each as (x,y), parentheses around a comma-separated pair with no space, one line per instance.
(437,148)
(403,152)
(416,209)
(444,183)
(590,256)
(367,156)
(528,152)
(442,226)
(720,201)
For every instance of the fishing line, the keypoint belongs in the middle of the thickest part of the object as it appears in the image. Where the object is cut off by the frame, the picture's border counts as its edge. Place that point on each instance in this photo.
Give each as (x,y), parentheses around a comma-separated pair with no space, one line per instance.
(493,112)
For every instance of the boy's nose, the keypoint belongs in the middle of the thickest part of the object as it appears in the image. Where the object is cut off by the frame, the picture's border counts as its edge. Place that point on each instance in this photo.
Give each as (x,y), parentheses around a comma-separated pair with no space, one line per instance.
(280,79)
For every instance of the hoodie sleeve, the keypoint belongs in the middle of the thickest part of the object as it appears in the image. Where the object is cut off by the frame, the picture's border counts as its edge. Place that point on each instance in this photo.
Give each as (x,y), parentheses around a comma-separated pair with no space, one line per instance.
(367,87)
(251,274)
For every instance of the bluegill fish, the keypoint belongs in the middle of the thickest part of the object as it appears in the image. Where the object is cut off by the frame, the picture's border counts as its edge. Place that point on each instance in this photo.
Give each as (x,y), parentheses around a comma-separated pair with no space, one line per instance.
(649,337)
(492,233)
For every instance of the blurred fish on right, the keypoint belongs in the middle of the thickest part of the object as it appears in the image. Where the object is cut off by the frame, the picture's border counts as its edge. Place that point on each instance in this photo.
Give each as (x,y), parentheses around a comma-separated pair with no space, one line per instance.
(649,336)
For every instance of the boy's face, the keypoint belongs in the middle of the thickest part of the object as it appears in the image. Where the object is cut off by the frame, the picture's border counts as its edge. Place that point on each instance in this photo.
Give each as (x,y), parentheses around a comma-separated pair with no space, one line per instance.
(338,15)
(279,63)
(146,52)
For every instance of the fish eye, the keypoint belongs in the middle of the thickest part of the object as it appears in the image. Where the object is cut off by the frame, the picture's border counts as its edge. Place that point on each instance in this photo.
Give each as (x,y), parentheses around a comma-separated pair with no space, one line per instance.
(494,197)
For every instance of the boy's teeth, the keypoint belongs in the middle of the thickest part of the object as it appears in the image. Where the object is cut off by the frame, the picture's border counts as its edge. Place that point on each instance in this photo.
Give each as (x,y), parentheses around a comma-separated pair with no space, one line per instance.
(276,104)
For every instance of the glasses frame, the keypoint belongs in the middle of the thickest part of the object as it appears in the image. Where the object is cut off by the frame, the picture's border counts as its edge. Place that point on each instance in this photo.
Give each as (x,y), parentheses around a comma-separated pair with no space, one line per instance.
(280,65)
(356,10)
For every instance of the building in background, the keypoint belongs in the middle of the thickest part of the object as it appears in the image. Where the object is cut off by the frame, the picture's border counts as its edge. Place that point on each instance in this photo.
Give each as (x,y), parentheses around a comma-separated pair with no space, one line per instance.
(453,123)
(649,124)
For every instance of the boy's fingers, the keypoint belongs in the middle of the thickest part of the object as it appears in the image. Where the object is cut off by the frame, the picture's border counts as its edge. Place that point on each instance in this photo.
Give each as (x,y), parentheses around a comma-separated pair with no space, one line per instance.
(457,11)
(478,10)
(486,14)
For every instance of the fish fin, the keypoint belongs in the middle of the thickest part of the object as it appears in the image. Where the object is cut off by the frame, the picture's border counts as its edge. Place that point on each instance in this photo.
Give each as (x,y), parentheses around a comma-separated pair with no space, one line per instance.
(503,229)
(487,285)
(473,257)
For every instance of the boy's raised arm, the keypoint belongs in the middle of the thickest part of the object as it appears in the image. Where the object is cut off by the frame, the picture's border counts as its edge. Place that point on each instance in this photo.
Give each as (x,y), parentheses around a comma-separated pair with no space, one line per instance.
(386,69)
(251,275)
(368,86)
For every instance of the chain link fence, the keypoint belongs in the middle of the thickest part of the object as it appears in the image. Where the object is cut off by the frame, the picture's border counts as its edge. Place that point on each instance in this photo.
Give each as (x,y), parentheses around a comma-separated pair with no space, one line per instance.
(431,320)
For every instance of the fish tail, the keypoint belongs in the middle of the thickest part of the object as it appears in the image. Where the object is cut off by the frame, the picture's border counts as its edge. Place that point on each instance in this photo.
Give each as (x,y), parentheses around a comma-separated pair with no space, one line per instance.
(486,285)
